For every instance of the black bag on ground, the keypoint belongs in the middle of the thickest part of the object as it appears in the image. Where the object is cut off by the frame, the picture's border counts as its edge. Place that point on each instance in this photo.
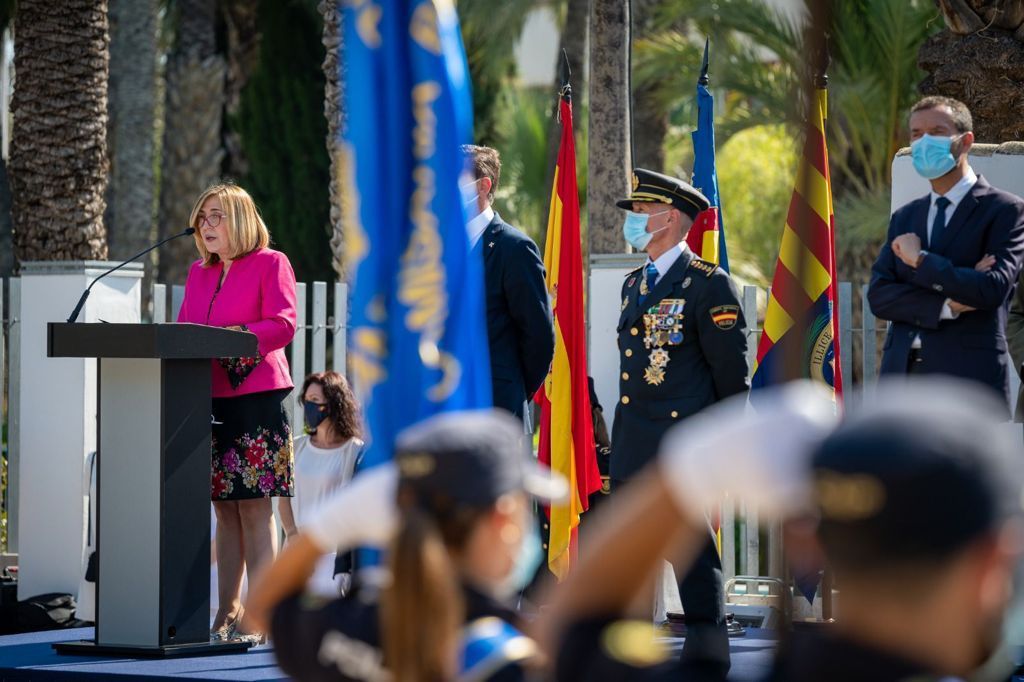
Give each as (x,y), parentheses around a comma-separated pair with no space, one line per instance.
(51,611)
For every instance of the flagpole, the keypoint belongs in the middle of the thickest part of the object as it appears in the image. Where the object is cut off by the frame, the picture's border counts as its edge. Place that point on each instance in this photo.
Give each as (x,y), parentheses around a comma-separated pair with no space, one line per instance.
(821,83)
(816,47)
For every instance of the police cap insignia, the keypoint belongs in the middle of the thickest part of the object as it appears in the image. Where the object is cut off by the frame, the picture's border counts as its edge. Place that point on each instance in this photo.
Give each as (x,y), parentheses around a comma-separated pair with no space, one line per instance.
(417,465)
(725,316)
(632,642)
(651,187)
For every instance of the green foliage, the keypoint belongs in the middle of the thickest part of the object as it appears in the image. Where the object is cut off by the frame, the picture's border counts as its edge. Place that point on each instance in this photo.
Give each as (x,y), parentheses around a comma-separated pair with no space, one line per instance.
(758,58)
(523,197)
(756,168)
(283,132)
(489,32)
(862,222)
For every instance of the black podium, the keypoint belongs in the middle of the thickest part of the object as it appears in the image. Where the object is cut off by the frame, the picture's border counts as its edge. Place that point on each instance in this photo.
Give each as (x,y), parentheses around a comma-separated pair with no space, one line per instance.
(153,482)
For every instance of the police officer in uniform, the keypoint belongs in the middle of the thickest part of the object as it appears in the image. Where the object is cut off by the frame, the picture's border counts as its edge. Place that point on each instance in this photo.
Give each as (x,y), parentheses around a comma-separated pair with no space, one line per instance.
(683,346)
(453,511)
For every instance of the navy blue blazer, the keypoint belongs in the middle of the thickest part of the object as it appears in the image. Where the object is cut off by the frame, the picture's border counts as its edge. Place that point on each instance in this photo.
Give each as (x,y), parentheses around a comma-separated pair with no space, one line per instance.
(519,326)
(973,346)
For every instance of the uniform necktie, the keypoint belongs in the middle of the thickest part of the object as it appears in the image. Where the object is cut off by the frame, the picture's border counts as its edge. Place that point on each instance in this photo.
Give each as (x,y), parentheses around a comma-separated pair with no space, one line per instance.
(651,275)
(939,224)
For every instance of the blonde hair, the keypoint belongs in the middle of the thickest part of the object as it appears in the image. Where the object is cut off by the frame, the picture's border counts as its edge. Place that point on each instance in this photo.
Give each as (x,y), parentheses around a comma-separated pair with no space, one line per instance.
(246,230)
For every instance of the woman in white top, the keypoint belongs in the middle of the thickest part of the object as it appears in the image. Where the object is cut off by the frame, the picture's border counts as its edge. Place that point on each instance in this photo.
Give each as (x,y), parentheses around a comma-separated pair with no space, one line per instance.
(325,460)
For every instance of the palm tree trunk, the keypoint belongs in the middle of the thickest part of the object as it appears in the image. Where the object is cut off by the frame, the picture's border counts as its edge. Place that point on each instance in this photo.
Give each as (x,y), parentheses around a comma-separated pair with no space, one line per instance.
(58,156)
(651,125)
(650,119)
(192,150)
(979,60)
(131,198)
(608,139)
(573,42)
(331,12)
(242,55)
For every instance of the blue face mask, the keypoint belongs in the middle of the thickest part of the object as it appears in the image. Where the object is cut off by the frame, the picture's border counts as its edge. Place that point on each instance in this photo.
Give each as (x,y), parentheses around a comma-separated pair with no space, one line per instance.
(314,414)
(469,193)
(932,156)
(634,229)
(528,560)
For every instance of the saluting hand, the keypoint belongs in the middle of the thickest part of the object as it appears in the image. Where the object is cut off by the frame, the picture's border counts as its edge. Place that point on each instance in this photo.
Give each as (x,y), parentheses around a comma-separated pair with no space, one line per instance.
(759,453)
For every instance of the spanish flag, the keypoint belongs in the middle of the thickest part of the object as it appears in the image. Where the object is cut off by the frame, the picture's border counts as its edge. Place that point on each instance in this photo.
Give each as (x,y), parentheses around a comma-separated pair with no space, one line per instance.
(802,307)
(566,422)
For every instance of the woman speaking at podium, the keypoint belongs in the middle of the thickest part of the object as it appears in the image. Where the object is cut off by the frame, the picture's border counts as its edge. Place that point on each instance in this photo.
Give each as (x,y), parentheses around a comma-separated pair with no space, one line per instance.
(238,283)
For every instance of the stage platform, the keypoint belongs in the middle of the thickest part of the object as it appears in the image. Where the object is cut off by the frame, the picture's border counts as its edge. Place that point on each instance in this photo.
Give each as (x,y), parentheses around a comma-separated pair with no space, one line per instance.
(30,657)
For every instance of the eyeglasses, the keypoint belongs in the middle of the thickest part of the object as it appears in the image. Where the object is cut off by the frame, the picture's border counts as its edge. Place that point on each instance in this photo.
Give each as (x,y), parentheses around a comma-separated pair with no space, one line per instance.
(213,220)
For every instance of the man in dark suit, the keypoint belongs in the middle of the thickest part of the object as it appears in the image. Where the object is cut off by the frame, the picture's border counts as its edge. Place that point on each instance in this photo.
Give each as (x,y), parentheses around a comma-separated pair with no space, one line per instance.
(683,346)
(950,260)
(519,326)
(1015,339)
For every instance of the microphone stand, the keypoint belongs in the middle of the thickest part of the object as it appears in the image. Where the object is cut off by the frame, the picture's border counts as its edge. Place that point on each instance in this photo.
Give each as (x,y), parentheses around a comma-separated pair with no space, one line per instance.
(85,294)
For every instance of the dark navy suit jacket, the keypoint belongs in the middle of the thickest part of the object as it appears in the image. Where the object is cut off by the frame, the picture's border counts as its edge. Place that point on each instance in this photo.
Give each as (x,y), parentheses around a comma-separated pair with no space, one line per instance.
(973,346)
(519,326)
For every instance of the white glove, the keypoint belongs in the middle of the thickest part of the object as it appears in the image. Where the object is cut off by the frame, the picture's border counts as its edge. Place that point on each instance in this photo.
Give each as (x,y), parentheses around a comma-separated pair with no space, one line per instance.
(757,453)
(361,514)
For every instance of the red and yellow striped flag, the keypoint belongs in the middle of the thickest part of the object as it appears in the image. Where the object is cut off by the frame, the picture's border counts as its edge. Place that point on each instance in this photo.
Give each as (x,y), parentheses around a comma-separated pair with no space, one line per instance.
(566,426)
(804,286)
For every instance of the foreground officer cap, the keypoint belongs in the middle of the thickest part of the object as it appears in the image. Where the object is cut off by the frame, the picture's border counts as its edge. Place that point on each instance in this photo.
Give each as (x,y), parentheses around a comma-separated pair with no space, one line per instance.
(916,474)
(472,458)
(650,187)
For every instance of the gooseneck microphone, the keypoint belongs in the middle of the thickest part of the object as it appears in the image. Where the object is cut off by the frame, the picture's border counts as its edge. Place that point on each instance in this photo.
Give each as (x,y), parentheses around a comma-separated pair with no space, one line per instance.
(140,254)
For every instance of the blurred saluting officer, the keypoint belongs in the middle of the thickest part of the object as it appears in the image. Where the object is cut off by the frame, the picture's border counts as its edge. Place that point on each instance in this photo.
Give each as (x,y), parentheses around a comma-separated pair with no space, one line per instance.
(683,346)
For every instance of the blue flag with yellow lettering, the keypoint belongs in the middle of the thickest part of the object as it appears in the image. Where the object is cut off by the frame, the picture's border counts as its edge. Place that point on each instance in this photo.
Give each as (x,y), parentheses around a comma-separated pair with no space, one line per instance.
(417,337)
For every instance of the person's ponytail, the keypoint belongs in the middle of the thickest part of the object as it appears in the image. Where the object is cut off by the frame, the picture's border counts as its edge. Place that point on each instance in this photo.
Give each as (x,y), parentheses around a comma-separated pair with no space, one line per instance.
(422,611)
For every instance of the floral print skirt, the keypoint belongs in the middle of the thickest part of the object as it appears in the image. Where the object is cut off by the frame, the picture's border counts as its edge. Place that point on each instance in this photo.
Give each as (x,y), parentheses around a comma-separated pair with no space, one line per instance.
(252,447)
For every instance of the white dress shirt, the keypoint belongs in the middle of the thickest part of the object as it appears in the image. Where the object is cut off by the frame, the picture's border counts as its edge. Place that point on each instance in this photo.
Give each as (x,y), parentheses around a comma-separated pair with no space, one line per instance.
(668,259)
(955,195)
(475,226)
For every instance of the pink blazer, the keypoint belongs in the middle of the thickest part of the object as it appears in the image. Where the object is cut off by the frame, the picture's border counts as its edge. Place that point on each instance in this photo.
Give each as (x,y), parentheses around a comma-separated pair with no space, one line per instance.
(259,294)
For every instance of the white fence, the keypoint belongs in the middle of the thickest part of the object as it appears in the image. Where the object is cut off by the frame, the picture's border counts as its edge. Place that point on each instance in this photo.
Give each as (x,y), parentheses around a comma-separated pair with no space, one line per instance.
(320,344)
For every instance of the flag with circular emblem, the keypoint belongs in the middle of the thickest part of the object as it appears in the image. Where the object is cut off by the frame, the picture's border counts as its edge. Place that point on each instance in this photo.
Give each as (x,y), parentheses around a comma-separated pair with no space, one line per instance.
(802,305)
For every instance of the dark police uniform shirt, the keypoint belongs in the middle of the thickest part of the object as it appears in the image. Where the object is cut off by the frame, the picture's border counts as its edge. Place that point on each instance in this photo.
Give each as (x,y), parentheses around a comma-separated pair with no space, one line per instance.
(610,650)
(682,347)
(339,640)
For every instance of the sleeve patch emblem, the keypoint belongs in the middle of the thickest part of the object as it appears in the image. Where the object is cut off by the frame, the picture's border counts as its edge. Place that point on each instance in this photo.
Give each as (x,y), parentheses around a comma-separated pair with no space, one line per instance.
(725,316)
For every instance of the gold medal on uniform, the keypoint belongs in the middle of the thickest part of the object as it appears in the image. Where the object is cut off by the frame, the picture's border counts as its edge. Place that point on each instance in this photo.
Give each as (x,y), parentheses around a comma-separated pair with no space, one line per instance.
(663,325)
(654,374)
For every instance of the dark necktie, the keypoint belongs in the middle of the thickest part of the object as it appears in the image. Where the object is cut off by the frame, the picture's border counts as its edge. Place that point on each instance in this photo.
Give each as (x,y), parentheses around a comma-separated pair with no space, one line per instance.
(939,224)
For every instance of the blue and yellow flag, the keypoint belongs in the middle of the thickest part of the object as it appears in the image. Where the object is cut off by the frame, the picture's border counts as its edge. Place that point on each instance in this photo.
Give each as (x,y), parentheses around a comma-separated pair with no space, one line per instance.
(417,338)
(706,237)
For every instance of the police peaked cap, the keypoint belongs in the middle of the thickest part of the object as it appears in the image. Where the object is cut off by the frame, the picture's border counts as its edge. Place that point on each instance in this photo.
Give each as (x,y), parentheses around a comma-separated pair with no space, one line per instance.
(651,187)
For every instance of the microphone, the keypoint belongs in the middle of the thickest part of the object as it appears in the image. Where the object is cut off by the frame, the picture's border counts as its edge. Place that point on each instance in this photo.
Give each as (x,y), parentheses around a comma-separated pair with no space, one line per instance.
(85,294)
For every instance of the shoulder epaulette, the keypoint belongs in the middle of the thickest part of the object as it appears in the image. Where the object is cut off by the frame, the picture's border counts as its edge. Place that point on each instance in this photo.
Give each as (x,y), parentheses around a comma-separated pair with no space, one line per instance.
(634,271)
(704,266)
